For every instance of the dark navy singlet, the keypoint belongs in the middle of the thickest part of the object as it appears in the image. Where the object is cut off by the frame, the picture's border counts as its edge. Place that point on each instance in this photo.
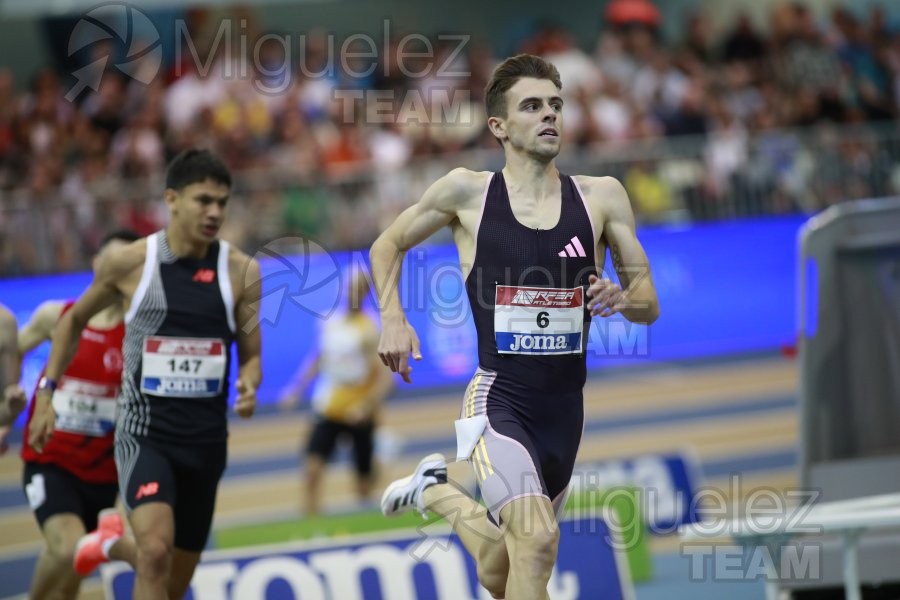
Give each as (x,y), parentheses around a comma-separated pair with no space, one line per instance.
(178,336)
(511,254)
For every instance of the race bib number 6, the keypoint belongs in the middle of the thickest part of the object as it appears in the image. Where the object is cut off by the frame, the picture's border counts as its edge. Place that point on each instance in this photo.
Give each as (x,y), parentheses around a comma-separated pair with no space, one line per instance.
(545,321)
(183,367)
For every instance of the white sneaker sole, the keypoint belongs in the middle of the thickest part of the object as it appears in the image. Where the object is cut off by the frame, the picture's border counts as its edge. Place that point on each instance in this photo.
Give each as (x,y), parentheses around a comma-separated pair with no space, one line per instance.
(432,460)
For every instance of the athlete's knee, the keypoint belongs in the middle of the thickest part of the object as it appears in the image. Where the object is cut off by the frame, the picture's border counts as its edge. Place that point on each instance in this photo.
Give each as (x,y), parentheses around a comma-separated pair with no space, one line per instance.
(154,556)
(61,545)
(61,550)
(535,550)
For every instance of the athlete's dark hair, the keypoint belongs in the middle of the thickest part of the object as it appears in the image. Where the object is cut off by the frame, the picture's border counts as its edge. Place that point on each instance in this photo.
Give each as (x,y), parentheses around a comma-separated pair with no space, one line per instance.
(122,235)
(508,73)
(196,166)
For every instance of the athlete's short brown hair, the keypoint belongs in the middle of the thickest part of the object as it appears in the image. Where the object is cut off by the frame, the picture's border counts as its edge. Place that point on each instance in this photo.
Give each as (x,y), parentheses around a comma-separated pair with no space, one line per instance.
(508,73)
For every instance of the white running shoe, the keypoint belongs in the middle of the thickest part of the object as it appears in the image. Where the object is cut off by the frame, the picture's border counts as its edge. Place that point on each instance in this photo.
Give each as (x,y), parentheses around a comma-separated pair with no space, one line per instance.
(406,494)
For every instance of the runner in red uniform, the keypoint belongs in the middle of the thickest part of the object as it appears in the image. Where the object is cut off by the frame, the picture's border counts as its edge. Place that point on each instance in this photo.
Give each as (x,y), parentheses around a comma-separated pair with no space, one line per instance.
(74,478)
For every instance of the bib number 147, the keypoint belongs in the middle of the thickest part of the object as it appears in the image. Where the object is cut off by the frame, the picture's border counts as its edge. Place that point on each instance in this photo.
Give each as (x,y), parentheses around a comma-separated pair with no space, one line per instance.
(186,365)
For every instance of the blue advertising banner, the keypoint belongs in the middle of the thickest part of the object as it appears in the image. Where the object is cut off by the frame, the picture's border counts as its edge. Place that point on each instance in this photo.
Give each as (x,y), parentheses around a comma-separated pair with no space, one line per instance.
(425,564)
(668,484)
(723,288)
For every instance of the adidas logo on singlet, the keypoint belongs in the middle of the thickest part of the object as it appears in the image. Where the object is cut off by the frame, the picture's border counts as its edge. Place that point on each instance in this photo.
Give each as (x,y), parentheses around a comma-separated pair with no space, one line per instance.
(573,249)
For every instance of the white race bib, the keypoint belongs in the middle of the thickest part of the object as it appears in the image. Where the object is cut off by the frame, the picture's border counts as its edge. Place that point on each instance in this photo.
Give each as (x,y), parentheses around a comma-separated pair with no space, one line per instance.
(85,407)
(532,320)
(183,367)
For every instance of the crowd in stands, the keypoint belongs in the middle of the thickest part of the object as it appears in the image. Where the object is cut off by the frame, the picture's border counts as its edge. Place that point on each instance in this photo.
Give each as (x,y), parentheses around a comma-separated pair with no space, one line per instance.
(791,115)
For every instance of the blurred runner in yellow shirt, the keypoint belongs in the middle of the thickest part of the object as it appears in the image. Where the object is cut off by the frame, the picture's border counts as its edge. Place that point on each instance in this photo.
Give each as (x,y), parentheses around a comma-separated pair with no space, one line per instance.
(352,383)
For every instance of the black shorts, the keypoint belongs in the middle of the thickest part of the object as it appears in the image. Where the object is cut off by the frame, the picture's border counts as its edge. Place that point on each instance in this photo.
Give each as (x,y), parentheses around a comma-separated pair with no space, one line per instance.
(184,477)
(51,490)
(528,443)
(326,433)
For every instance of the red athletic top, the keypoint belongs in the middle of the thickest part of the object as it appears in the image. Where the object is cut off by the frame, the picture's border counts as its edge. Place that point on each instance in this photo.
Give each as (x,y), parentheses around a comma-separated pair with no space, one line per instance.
(85,404)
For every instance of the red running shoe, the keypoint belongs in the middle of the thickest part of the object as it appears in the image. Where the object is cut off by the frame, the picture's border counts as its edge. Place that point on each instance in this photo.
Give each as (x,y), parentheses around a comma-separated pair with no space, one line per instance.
(89,551)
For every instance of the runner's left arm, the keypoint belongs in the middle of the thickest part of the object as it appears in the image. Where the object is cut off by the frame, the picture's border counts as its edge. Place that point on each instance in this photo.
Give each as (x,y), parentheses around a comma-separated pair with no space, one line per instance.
(249,340)
(636,299)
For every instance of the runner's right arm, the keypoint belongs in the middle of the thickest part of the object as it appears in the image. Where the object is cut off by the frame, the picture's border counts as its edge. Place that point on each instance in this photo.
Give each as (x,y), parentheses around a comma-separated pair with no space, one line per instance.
(437,209)
(102,292)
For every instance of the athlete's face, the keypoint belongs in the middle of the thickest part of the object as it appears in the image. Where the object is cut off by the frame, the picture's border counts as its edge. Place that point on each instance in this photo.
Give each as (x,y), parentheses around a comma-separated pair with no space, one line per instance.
(533,122)
(198,209)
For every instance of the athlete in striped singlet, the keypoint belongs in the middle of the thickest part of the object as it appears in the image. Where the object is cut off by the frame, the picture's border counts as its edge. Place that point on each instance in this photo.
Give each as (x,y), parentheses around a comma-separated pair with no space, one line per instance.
(187,296)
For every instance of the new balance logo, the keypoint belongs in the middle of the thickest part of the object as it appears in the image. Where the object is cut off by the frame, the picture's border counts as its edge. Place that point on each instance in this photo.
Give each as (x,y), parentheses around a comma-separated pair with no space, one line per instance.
(204,276)
(148,489)
(573,249)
